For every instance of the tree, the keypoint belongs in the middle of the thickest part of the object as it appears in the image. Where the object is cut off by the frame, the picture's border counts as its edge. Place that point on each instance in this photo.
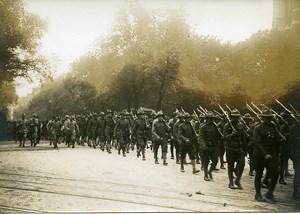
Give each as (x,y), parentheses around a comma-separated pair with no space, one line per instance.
(19,36)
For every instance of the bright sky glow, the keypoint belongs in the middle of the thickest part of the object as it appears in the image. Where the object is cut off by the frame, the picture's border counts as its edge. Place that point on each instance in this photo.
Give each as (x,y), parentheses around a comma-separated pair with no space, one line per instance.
(74,25)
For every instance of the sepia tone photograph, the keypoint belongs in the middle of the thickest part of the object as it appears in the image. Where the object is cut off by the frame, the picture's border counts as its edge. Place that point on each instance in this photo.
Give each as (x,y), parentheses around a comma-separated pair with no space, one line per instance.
(148,106)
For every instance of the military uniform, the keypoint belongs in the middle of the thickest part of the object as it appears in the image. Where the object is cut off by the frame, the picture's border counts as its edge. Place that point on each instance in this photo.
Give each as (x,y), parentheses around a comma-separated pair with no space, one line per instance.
(139,132)
(122,132)
(54,127)
(187,136)
(109,126)
(295,155)
(235,149)
(160,133)
(208,145)
(33,130)
(22,131)
(92,130)
(100,130)
(266,141)
(71,128)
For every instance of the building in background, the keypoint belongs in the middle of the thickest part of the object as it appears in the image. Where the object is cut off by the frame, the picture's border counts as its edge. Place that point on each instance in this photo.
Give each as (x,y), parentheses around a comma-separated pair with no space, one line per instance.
(286,16)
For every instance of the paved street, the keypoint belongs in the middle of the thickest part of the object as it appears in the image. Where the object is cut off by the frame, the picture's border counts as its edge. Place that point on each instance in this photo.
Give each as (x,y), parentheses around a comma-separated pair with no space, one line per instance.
(83,179)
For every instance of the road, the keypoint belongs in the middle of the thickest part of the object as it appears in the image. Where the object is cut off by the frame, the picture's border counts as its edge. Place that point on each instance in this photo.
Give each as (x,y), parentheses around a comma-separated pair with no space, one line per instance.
(84,179)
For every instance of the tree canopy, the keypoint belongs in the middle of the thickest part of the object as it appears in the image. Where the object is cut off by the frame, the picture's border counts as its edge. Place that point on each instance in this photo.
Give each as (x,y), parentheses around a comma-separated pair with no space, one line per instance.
(153,58)
(19,42)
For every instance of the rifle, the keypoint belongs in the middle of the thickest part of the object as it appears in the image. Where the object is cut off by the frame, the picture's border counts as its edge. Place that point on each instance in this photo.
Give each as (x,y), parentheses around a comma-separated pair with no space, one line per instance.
(228,107)
(254,112)
(227,118)
(204,110)
(287,110)
(218,113)
(260,111)
(293,109)
(283,120)
(183,110)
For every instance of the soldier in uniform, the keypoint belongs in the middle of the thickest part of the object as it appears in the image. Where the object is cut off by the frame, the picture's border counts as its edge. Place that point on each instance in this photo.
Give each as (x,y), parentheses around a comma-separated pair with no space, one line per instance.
(187,136)
(176,125)
(100,130)
(171,123)
(160,133)
(295,155)
(249,136)
(33,129)
(109,126)
(54,127)
(234,135)
(22,131)
(285,149)
(139,132)
(196,125)
(91,130)
(71,128)
(266,141)
(208,145)
(122,132)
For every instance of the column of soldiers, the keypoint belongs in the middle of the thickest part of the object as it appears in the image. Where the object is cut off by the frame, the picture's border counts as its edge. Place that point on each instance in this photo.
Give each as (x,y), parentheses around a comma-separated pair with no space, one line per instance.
(268,140)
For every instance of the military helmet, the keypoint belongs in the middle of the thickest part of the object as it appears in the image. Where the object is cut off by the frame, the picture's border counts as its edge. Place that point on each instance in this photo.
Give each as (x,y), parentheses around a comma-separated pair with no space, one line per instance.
(67,116)
(140,112)
(34,115)
(247,116)
(210,115)
(266,112)
(101,113)
(235,113)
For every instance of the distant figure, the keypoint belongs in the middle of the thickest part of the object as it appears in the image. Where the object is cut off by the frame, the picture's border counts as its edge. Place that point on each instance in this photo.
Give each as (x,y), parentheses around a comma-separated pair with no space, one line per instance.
(21,131)
(33,130)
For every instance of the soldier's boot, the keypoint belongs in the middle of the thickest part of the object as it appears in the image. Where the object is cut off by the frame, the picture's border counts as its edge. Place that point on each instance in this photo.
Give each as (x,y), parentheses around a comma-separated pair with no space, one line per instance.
(205,169)
(194,167)
(164,154)
(73,144)
(138,153)
(172,153)
(124,151)
(119,151)
(23,143)
(108,148)
(156,161)
(210,172)
(230,177)
(197,160)
(143,154)
(20,144)
(222,163)
(237,181)
(94,144)
(50,144)
(177,159)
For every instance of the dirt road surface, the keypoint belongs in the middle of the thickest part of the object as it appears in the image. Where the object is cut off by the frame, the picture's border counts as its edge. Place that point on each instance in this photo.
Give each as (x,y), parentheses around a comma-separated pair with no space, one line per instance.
(84,179)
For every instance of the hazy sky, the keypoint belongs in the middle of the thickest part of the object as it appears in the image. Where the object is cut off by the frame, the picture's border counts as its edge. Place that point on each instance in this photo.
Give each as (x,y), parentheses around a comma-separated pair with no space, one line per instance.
(73,25)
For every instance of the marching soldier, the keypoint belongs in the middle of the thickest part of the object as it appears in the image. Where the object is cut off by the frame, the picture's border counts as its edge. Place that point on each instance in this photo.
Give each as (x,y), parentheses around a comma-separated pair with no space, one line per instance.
(71,128)
(91,130)
(109,125)
(249,136)
(139,132)
(100,130)
(187,136)
(122,132)
(33,129)
(22,131)
(208,145)
(54,127)
(160,137)
(266,141)
(234,135)
(171,123)
(176,138)
(81,121)
(295,155)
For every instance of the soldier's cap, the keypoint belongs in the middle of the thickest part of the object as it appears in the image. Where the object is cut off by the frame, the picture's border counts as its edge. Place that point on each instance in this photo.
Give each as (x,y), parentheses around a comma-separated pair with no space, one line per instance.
(34,115)
(159,113)
(235,113)
(266,112)
(67,116)
(209,115)
(101,113)
(108,111)
(247,116)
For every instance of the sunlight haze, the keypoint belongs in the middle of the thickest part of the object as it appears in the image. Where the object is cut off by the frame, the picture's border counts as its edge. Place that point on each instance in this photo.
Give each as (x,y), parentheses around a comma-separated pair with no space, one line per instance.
(74,25)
